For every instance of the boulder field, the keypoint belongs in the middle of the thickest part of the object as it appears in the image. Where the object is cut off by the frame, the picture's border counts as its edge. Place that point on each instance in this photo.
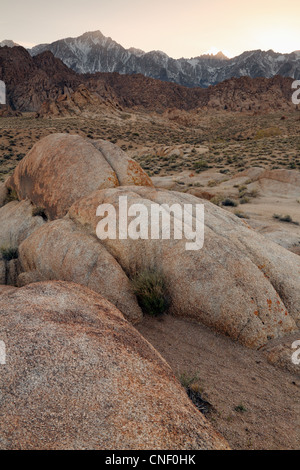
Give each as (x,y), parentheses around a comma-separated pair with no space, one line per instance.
(240,284)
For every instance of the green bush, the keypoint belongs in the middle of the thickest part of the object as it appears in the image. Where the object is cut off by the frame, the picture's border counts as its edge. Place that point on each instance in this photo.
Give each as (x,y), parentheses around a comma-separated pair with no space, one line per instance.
(150,288)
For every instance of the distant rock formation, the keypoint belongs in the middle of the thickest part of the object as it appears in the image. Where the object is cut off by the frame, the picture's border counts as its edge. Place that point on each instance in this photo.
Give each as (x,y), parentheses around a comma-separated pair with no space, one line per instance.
(30,81)
(80,102)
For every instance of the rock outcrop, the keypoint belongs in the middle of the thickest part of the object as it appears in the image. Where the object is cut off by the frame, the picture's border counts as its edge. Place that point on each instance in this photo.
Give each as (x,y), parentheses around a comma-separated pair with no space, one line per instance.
(32,80)
(62,168)
(6,111)
(79,376)
(80,102)
(61,251)
(17,222)
(3,194)
(236,284)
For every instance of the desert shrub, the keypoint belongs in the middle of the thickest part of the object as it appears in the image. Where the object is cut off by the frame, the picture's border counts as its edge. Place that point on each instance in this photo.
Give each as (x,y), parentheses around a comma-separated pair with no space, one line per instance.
(229,203)
(240,409)
(241,215)
(244,200)
(217,200)
(187,380)
(200,165)
(150,289)
(269,132)
(9,253)
(285,218)
(194,391)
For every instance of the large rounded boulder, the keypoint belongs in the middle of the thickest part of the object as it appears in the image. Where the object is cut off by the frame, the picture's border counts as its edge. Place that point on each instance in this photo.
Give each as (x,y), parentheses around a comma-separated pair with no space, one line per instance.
(17,222)
(61,251)
(79,376)
(62,168)
(239,283)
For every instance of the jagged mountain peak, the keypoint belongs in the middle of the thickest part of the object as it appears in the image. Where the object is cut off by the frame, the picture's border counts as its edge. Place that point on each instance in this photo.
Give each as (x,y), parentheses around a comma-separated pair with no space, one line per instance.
(93,52)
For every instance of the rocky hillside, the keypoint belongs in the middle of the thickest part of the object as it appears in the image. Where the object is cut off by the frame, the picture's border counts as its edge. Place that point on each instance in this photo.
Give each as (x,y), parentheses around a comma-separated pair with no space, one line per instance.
(44,84)
(31,80)
(93,52)
(236,94)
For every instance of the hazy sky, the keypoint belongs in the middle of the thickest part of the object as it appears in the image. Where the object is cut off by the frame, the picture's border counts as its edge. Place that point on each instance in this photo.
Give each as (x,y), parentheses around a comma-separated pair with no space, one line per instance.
(184,28)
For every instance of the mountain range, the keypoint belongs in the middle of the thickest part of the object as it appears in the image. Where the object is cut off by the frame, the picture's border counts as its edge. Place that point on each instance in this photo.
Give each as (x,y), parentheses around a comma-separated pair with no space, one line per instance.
(45,82)
(93,52)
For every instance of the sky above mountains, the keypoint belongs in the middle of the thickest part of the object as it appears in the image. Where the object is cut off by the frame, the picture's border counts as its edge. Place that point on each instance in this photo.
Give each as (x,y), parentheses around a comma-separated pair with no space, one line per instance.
(181,29)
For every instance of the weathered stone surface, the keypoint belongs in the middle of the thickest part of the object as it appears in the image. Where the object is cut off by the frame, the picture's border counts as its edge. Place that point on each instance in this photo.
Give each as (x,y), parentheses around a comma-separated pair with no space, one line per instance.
(237,284)
(17,223)
(58,170)
(62,168)
(3,274)
(7,289)
(3,194)
(281,354)
(61,251)
(128,171)
(30,277)
(79,376)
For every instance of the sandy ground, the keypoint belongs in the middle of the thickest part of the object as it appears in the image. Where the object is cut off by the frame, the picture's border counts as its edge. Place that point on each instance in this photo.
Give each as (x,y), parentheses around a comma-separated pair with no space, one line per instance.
(230,376)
